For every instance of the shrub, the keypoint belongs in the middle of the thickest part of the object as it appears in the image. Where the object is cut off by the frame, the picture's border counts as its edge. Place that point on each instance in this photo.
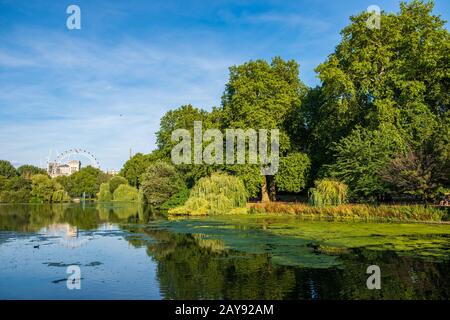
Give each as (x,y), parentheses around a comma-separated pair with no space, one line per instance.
(60,196)
(159,182)
(327,193)
(176,200)
(115,182)
(218,194)
(19,196)
(104,195)
(42,188)
(126,193)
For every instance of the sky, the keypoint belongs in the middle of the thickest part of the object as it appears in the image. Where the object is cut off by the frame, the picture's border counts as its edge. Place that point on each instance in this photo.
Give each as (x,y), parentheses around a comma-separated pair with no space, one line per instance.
(104,87)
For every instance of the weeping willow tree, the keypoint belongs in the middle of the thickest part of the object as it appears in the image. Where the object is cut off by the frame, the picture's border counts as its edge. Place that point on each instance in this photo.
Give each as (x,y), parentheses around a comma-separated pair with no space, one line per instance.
(217,194)
(328,193)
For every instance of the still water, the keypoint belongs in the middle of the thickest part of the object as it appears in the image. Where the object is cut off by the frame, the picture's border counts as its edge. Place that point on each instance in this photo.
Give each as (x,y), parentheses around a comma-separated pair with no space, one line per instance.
(126,251)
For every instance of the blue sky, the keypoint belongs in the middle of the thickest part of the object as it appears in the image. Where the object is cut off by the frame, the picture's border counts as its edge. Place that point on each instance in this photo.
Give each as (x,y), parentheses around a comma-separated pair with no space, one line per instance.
(104,88)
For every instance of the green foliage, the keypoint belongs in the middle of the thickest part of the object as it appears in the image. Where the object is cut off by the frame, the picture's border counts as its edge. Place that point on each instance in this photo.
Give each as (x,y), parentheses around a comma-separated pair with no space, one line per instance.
(176,200)
(360,157)
(86,180)
(126,193)
(261,95)
(160,182)
(27,171)
(397,75)
(116,181)
(328,193)
(60,196)
(43,188)
(7,169)
(218,194)
(136,166)
(64,181)
(352,211)
(180,118)
(14,190)
(293,172)
(19,196)
(105,195)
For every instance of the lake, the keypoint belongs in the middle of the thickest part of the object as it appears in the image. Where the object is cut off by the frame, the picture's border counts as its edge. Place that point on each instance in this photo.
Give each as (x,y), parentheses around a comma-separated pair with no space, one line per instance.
(127,251)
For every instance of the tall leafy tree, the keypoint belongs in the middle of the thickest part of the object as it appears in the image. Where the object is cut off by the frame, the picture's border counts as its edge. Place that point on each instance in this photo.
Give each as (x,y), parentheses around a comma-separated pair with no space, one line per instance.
(260,95)
(397,74)
(136,166)
(27,171)
(361,156)
(7,169)
(160,181)
(87,180)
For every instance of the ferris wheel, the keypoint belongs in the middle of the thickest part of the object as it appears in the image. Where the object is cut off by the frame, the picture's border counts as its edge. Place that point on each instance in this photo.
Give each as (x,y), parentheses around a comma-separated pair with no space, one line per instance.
(76,153)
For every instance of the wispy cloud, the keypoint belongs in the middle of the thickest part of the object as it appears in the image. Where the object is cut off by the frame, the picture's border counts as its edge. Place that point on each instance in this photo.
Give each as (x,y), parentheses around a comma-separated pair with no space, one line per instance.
(65,93)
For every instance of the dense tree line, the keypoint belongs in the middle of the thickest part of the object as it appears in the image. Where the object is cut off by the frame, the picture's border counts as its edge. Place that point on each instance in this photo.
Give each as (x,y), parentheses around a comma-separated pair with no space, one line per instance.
(378,125)
(379,122)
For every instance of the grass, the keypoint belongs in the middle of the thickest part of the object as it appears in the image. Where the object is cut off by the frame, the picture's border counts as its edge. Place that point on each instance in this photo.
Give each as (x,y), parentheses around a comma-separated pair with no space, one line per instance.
(352,211)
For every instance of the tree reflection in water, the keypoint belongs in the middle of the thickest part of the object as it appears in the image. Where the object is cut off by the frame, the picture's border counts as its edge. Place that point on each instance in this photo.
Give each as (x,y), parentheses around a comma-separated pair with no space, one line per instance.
(202,261)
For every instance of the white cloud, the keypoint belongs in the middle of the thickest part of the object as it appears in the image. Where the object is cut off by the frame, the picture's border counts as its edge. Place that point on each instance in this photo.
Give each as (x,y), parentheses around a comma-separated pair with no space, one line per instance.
(63,93)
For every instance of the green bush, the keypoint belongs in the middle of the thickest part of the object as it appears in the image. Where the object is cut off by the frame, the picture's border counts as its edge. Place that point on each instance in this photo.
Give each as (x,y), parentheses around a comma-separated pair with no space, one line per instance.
(104,195)
(126,193)
(176,200)
(115,182)
(218,194)
(60,196)
(328,193)
(42,188)
(19,196)
(160,182)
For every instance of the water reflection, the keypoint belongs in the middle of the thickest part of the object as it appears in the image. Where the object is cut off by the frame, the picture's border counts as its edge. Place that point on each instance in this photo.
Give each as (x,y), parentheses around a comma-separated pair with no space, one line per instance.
(130,251)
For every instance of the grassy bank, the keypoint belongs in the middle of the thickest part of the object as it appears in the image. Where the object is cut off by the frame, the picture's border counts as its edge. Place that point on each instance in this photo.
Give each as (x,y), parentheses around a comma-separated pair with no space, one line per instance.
(352,211)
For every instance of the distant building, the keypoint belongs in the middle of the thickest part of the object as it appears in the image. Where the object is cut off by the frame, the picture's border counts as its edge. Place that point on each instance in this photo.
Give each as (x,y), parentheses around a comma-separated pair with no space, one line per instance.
(57,169)
(112,172)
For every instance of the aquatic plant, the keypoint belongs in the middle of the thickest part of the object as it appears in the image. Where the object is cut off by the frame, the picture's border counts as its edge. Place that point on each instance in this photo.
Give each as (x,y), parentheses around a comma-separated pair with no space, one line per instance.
(352,211)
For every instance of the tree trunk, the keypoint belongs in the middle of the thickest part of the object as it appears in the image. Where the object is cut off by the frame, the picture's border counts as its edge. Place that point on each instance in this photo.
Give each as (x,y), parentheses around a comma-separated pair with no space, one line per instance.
(264,190)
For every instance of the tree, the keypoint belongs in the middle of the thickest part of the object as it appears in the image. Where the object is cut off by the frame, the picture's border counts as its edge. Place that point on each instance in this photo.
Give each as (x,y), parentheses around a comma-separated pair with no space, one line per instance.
(136,166)
(7,169)
(396,75)
(360,157)
(292,175)
(126,193)
(115,182)
(27,171)
(14,190)
(160,181)
(418,173)
(43,188)
(87,181)
(180,118)
(104,194)
(184,118)
(260,95)
(60,196)
(218,194)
